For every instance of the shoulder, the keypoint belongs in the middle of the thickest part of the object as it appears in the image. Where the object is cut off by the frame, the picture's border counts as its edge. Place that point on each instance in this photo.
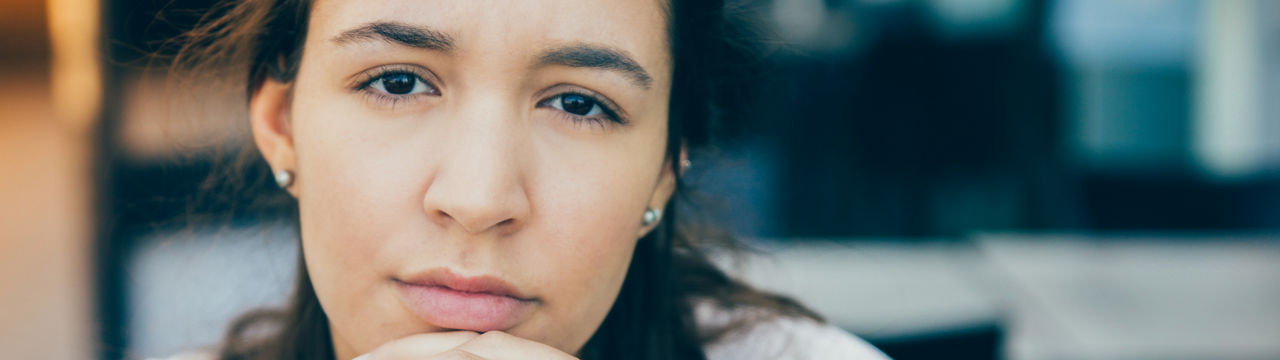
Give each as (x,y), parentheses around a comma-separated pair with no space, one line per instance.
(771,336)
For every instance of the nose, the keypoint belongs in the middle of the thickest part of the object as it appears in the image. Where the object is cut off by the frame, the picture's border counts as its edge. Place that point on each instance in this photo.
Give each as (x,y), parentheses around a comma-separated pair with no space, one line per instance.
(479,186)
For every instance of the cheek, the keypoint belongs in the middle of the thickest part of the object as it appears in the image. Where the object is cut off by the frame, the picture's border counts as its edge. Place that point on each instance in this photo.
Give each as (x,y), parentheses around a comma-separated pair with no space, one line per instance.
(355,206)
(345,190)
(581,246)
(357,174)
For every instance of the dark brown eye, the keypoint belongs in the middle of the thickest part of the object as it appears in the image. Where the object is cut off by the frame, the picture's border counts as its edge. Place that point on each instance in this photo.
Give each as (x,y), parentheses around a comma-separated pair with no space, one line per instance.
(578,105)
(399,84)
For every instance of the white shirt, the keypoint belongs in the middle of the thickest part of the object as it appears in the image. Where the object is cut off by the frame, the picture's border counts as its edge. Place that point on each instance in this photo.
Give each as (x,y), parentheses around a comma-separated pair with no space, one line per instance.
(782,338)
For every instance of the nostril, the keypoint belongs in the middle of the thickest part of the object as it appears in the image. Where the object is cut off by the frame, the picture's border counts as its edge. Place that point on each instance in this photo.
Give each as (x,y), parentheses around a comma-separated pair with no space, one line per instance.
(473,223)
(444,215)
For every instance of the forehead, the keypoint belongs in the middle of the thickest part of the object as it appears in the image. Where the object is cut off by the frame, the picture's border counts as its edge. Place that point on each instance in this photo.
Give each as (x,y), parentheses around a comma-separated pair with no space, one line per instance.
(637,27)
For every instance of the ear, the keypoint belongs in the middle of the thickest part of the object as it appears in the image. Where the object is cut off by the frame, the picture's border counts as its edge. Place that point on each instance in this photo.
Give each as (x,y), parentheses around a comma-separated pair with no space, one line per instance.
(269,118)
(666,186)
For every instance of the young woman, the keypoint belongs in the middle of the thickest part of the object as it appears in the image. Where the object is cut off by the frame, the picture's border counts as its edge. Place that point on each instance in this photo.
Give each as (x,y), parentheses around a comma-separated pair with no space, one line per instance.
(491,179)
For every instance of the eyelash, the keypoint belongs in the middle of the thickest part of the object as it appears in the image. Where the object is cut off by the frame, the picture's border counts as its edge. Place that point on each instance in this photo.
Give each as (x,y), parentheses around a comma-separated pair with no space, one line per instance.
(611,112)
(368,78)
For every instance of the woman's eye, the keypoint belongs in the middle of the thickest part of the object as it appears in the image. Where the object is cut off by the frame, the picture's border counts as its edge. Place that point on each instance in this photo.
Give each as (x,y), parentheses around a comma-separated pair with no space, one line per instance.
(576,104)
(399,84)
(585,109)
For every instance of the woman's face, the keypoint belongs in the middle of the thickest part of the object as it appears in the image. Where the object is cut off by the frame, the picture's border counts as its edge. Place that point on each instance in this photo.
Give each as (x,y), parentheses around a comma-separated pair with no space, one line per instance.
(475,165)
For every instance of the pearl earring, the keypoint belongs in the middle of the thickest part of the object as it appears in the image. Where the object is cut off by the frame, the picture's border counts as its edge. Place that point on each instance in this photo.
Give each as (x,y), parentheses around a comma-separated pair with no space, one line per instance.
(651,216)
(284,178)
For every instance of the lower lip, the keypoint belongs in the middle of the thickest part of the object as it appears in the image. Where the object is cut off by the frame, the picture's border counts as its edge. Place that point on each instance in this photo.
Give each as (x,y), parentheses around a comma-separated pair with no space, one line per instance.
(459,310)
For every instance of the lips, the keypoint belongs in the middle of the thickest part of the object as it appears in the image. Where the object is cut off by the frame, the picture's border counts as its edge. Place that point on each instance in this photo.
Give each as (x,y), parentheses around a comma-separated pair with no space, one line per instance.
(479,303)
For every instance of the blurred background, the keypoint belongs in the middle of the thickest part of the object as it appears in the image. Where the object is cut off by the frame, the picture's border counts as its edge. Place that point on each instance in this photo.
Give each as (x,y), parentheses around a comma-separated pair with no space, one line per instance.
(965,179)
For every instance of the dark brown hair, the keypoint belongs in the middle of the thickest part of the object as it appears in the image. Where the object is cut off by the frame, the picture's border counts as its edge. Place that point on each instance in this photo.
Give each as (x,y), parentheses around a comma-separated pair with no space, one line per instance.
(715,51)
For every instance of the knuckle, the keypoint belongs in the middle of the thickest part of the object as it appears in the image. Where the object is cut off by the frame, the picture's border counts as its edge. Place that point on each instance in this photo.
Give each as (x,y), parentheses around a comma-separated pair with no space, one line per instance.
(491,337)
(457,354)
(390,348)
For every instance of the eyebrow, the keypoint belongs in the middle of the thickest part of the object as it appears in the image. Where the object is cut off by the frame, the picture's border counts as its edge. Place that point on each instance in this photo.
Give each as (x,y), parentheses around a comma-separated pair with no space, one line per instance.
(400,33)
(600,57)
(575,55)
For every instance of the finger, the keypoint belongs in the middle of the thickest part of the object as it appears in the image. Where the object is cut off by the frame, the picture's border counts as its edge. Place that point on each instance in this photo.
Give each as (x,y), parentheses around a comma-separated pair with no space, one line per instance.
(419,346)
(497,345)
(455,354)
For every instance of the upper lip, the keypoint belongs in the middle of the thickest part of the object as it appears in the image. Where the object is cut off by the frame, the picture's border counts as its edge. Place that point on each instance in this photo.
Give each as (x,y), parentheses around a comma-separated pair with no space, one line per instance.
(444,277)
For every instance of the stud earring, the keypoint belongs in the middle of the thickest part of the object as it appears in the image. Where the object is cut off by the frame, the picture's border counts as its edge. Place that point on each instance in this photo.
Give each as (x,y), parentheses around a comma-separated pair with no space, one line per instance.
(284,178)
(651,216)
(685,165)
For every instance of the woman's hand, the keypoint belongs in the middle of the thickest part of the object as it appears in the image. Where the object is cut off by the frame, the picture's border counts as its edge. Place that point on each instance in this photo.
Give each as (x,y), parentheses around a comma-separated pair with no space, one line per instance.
(493,345)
